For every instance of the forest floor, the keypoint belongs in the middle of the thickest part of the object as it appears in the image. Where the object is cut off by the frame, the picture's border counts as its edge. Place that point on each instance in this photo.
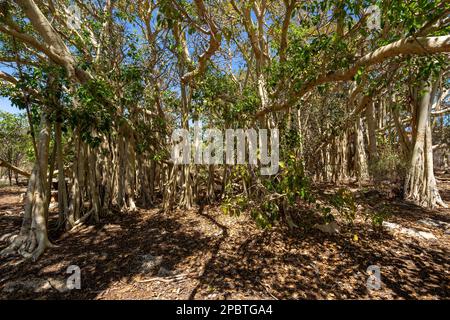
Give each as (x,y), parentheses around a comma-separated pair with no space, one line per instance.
(204,254)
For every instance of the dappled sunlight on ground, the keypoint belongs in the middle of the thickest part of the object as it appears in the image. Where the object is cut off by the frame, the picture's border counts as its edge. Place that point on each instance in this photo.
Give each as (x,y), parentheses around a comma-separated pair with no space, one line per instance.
(204,254)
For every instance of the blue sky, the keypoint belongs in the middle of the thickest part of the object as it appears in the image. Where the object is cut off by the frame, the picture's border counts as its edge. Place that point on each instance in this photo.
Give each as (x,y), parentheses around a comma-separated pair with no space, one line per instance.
(5,105)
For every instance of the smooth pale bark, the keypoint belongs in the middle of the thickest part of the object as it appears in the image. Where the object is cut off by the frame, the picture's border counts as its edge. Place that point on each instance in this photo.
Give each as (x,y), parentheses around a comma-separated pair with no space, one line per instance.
(7,77)
(122,156)
(169,186)
(75,201)
(361,166)
(39,222)
(404,142)
(213,44)
(420,183)
(48,189)
(187,196)
(21,240)
(130,187)
(62,188)
(339,158)
(290,6)
(53,45)
(33,239)
(407,46)
(184,62)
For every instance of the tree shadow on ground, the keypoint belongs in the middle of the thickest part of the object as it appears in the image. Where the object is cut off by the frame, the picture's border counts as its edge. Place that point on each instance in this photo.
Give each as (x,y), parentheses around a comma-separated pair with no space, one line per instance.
(291,264)
(321,267)
(106,253)
(229,258)
(214,251)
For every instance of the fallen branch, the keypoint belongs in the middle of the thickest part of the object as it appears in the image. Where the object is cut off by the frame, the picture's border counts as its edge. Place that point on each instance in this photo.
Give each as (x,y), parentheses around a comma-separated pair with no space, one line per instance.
(6,164)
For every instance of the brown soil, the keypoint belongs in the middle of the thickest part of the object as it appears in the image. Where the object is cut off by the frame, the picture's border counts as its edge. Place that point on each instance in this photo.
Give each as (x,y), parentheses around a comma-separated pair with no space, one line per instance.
(208,255)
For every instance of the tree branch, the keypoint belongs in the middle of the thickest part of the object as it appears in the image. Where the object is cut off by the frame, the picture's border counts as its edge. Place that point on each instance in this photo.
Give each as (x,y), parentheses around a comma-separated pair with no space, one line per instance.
(407,46)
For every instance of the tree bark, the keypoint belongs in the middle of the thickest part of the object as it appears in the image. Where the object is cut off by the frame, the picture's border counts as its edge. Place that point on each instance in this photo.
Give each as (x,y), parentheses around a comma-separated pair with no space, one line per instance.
(33,239)
(420,183)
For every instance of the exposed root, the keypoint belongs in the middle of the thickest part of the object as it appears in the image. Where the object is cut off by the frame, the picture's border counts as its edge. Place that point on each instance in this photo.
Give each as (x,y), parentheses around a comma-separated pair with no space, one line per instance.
(132,205)
(34,256)
(13,248)
(9,237)
(27,246)
(441,203)
(82,220)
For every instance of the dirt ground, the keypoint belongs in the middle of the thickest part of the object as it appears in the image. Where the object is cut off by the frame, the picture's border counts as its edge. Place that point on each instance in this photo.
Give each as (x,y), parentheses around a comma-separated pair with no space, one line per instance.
(204,254)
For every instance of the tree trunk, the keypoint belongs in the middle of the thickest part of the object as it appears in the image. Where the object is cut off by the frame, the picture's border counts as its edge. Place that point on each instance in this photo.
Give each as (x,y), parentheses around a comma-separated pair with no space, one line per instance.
(371,128)
(62,188)
(361,169)
(420,183)
(33,239)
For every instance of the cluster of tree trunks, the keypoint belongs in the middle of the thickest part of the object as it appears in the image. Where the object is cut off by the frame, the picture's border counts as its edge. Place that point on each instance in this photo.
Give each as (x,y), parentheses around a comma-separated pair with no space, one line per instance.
(115,173)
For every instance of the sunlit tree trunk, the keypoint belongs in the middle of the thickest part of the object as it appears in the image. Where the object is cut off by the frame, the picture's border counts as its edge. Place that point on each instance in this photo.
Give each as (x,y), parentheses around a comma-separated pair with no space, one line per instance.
(33,239)
(361,168)
(420,183)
